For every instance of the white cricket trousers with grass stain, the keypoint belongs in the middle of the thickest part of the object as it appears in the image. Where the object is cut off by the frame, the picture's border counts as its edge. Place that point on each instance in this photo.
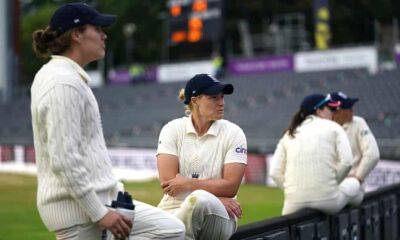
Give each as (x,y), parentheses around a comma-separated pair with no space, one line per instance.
(205,217)
(350,192)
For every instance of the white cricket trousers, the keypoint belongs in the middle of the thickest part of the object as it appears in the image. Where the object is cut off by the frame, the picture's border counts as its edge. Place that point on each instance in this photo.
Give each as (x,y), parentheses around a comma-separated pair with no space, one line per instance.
(350,192)
(205,217)
(150,223)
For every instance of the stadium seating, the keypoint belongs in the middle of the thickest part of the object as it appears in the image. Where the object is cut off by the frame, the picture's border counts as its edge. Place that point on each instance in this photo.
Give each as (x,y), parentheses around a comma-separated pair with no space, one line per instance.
(262,105)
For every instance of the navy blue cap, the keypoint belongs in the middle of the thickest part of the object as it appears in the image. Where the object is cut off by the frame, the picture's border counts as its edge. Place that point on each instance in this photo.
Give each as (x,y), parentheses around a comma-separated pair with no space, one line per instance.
(73,15)
(205,84)
(346,101)
(314,101)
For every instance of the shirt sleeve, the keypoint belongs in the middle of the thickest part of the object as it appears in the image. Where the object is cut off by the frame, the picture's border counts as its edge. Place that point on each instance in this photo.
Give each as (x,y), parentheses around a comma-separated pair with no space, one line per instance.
(237,149)
(63,122)
(345,157)
(368,148)
(167,142)
(278,164)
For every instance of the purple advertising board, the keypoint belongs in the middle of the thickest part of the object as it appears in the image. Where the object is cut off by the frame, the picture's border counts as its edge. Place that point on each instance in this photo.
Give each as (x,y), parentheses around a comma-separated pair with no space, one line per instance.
(123,76)
(260,65)
(119,77)
(398,57)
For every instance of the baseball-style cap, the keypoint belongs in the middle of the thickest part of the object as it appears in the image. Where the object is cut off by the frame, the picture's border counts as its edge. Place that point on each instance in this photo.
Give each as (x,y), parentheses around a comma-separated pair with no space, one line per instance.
(346,101)
(73,15)
(314,101)
(205,84)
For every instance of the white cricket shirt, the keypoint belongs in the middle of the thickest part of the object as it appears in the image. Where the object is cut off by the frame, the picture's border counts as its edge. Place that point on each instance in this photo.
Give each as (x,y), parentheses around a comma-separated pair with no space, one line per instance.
(363,146)
(223,143)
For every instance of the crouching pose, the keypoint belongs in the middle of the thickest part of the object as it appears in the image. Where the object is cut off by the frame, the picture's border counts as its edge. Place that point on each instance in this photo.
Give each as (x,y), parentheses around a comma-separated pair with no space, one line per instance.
(201,160)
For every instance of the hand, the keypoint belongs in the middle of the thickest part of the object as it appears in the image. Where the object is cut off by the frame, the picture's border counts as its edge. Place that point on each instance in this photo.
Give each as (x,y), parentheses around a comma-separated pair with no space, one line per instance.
(177,185)
(119,225)
(358,178)
(232,207)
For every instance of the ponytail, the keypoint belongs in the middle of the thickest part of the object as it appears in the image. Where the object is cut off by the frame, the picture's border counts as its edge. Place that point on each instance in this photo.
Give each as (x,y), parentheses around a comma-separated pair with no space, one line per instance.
(47,42)
(181,97)
(297,119)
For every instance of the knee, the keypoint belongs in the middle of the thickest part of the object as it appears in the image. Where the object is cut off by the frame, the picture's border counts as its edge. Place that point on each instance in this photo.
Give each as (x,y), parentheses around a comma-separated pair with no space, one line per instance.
(350,186)
(172,228)
(202,194)
(207,204)
(204,199)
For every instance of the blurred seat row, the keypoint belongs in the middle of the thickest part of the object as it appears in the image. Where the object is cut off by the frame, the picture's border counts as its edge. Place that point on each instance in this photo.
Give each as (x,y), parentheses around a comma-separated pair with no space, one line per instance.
(261,104)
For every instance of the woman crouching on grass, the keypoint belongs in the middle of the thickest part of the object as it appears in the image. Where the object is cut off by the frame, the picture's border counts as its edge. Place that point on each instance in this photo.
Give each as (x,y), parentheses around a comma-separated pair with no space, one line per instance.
(201,160)
(313,158)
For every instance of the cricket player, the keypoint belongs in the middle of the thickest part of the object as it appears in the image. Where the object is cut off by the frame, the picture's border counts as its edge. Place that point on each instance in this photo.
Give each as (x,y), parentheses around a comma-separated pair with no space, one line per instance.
(313,158)
(363,144)
(75,179)
(201,160)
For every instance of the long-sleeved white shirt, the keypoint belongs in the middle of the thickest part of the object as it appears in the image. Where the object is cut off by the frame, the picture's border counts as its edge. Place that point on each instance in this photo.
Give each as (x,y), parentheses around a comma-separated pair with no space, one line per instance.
(310,166)
(74,169)
(363,145)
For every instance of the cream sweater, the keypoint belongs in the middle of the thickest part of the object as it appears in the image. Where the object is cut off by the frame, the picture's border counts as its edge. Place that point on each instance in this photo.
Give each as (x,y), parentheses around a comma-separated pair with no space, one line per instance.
(310,166)
(74,170)
(363,145)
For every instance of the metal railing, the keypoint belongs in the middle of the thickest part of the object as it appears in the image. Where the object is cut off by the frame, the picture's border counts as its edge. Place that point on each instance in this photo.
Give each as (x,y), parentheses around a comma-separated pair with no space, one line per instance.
(376,218)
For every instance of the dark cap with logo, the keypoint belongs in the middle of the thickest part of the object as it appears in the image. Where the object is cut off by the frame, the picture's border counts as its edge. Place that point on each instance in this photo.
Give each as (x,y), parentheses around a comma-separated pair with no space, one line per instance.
(205,84)
(73,15)
(346,101)
(314,101)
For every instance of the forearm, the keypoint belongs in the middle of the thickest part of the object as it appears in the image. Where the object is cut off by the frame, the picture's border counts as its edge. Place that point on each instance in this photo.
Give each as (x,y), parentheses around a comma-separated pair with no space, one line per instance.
(75,180)
(370,156)
(366,166)
(218,187)
(342,172)
(278,179)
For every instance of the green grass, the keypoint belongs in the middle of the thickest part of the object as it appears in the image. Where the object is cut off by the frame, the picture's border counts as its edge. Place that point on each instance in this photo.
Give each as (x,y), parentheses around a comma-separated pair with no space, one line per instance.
(19,218)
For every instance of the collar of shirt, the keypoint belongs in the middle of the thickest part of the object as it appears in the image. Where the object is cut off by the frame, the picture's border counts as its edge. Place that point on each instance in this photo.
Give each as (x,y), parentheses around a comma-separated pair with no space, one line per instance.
(346,125)
(79,69)
(310,118)
(213,130)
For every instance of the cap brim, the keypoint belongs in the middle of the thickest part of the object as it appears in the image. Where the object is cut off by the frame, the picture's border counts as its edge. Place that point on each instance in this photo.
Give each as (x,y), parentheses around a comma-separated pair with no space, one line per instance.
(103,20)
(334,104)
(219,88)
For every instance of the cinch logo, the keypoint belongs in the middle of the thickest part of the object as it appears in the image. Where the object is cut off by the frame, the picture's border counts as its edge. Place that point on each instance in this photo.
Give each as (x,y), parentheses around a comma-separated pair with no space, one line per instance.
(241,150)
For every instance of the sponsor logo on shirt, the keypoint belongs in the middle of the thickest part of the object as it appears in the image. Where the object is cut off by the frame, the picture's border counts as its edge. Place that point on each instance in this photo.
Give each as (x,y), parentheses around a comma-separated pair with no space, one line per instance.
(241,150)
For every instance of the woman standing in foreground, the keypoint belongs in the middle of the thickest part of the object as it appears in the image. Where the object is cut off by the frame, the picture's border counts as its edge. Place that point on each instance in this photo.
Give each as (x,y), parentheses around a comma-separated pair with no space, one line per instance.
(201,160)
(313,158)
(75,179)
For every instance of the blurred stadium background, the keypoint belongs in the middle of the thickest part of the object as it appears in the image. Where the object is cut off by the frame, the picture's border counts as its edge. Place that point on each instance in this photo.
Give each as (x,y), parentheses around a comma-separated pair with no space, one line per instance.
(274,52)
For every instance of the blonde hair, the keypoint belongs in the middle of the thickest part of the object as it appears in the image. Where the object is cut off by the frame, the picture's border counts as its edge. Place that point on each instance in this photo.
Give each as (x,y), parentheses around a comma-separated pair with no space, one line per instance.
(181,97)
(47,42)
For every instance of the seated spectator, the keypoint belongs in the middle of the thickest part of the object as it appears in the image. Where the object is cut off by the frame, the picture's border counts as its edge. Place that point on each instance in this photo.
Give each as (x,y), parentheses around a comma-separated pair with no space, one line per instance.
(201,160)
(313,158)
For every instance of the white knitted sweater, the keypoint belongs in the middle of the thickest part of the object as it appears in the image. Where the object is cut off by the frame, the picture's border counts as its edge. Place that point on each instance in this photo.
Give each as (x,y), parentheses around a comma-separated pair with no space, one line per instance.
(74,170)
(363,146)
(310,166)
